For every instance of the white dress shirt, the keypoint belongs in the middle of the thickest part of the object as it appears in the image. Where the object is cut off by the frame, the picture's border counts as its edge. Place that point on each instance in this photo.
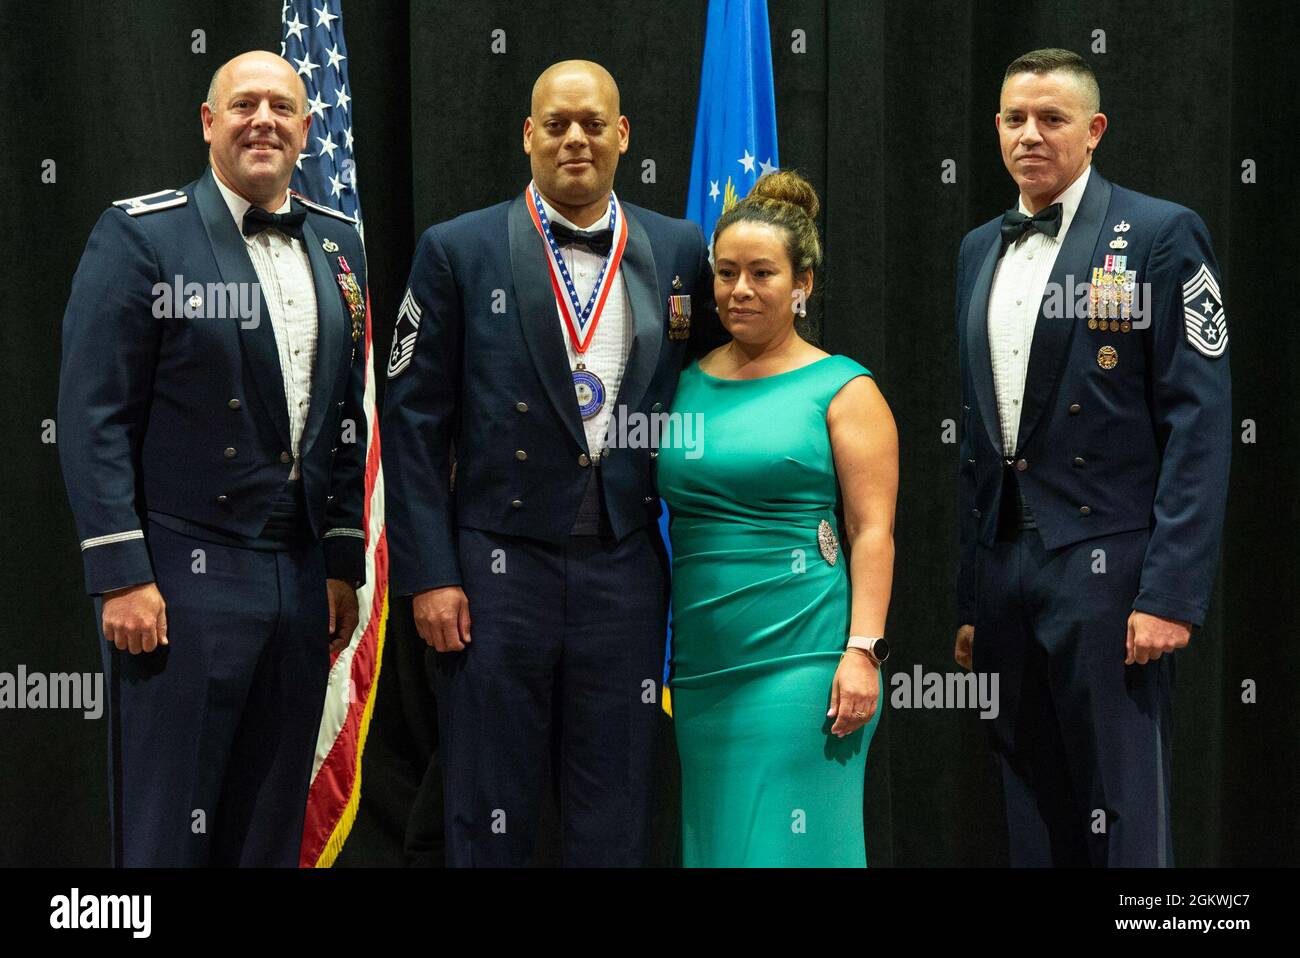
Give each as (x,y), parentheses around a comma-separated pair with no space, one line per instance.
(607,354)
(284,273)
(1014,300)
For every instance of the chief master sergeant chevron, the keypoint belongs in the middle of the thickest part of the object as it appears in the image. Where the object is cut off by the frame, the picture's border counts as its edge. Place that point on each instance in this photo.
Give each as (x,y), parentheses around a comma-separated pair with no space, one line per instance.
(210,404)
(1097,431)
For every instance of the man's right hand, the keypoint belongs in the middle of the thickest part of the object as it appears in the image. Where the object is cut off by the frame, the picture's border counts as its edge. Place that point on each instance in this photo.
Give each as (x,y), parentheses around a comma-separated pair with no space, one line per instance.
(965,644)
(442,618)
(135,618)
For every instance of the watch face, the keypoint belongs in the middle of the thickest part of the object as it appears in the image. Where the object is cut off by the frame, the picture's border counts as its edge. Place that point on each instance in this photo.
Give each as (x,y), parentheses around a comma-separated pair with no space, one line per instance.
(880,649)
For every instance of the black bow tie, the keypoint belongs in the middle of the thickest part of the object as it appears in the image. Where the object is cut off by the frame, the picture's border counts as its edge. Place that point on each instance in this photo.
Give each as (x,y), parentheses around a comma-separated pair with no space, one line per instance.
(1016,224)
(598,241)
(258,219)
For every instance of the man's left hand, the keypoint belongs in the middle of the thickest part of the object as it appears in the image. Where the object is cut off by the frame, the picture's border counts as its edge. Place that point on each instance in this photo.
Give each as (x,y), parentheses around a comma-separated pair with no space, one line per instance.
(1151,636)
(343,613)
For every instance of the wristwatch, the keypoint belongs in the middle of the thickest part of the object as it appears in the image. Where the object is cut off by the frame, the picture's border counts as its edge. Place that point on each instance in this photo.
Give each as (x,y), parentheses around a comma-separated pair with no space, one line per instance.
(876,647)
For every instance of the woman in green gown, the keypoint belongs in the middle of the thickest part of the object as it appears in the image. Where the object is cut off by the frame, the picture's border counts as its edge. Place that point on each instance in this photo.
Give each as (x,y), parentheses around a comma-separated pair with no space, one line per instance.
(773,714)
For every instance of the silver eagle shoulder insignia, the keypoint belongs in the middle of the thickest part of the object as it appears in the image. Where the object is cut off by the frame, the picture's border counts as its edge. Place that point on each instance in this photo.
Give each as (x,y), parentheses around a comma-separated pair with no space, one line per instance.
(328,211)
(152,202)
(1205,323)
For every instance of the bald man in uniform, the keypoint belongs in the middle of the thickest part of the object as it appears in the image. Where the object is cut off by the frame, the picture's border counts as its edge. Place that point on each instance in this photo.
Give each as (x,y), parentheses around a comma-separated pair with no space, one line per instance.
(210,391)
(538,574)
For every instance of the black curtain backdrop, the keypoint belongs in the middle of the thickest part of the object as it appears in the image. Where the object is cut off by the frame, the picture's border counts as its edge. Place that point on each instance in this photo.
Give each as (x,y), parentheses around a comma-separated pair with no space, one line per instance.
(879,97)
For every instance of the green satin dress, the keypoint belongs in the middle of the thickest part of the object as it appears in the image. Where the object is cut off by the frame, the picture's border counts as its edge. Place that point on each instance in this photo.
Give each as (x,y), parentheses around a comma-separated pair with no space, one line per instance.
(759,621)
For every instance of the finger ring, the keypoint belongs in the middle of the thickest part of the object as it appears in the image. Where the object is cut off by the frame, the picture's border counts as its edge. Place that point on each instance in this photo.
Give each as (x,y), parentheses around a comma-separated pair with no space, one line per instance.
(859,714)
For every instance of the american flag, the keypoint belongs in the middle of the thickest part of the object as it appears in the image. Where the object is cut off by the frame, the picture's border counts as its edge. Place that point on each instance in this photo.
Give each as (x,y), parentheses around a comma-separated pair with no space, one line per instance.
(313,43)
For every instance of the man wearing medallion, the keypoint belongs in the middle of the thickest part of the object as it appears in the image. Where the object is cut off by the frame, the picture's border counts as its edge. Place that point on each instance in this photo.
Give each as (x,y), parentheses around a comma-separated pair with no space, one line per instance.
(538,573)
(210,401)
(1093,478)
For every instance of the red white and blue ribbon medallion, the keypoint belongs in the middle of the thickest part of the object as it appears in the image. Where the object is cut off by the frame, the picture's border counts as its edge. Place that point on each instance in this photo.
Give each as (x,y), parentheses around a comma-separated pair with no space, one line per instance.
(580,320)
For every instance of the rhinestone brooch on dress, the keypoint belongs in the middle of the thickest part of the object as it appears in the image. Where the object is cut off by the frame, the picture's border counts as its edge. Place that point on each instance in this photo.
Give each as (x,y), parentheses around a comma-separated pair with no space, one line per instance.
(826,541)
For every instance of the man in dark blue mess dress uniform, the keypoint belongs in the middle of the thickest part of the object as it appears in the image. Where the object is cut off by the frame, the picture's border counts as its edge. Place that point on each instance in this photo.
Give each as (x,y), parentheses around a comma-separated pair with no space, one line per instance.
(212,437)
(1096,440)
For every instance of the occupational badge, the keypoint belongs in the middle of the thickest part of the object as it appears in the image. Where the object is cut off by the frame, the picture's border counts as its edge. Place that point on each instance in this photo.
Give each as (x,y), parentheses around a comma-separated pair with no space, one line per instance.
(1107,357)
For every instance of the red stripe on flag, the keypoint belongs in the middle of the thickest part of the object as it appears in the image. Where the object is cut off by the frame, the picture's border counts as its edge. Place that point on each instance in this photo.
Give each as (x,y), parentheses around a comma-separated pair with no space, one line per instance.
(335,791)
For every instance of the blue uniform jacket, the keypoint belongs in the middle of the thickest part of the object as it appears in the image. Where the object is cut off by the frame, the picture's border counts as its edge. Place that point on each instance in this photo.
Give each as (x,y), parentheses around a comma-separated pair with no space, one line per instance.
(1119,431)
(479,365)
(171,398)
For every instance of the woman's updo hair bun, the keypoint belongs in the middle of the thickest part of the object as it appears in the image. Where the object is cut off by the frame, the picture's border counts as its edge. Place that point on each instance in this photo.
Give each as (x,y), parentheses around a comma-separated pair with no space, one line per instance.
(786,200)
(788,187)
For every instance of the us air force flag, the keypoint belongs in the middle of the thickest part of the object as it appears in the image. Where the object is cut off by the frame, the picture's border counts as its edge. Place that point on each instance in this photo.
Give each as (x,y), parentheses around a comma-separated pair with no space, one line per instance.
(735,137)
(735,127)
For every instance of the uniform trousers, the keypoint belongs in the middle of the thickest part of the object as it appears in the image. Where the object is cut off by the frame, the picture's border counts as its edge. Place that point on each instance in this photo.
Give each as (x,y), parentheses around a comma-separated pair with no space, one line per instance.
(212,737)
(1083,741)
(567,649)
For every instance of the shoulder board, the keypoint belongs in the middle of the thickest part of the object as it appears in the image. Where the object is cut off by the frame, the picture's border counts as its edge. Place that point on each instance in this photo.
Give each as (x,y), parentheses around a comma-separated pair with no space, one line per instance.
(152,202)
(337,214)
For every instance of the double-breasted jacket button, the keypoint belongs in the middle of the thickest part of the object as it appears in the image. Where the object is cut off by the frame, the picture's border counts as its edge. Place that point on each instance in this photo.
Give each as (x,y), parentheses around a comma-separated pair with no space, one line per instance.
(285,457)
(975,513)
(517,504)
(1074,409)
(1078,461)
(657,407)
(649,499)
(229,452)
(654,453)
(521,407)
(1085,511)
(521,455)
(1022,465)
(222,500)
(583,459)
(234,404)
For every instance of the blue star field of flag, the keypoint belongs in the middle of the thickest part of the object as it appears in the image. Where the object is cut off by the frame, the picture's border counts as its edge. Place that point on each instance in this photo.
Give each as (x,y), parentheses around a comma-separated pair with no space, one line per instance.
(313,43)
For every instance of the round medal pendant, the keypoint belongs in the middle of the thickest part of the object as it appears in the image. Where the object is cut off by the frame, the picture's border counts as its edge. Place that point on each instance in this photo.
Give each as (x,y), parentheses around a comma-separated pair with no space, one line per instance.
(590,390)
